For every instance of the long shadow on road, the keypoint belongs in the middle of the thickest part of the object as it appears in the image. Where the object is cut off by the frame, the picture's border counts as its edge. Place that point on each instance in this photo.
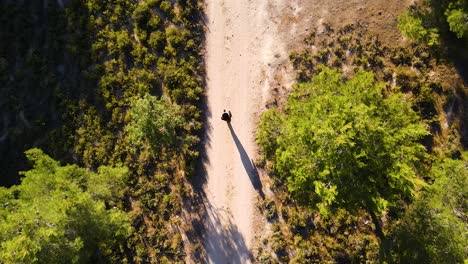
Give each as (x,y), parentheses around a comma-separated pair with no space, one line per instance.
(222,241)
(226,243)
(248,163)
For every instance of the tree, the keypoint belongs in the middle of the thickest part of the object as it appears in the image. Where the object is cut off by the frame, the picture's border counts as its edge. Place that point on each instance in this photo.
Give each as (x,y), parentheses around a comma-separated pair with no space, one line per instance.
(342,143)
(59,215)
(457,18)
(426,22)
(153,122)
(141,15)
(433,230)
(157,40)
(412,27)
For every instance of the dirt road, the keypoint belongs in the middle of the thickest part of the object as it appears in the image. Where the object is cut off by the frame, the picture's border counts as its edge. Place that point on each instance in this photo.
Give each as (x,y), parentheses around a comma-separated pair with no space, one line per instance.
(247,43)
(241,46)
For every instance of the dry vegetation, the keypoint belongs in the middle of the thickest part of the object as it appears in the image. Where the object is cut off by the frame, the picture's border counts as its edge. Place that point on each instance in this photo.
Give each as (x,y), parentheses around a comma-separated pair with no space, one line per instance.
(70,76)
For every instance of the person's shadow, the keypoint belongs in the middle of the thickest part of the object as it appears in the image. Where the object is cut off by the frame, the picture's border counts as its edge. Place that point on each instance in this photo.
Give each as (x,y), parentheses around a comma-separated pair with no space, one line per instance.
(249,165)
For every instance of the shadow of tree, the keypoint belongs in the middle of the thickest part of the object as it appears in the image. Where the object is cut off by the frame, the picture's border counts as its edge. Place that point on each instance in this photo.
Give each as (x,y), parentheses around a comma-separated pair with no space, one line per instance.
(221,239)
(226,245)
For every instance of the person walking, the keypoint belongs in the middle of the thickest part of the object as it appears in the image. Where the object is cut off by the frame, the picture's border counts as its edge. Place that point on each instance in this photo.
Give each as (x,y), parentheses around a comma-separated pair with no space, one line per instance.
(226,116)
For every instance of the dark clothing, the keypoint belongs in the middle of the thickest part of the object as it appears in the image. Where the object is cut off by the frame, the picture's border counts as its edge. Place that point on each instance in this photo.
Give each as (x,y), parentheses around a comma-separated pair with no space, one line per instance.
(226,117)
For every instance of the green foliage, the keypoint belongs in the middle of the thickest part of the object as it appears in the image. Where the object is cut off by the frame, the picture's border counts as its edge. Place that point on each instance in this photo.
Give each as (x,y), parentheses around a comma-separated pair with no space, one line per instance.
(153,122)
(93,147)
(157,40)
(457,18)
(59,215)
(166,7)
(344,143)
(424,23)
(74,76)
(109,184)
(348,235)
(268,131)
(413,27)
(433,230)
(141,15)
(175,37)
(341,238)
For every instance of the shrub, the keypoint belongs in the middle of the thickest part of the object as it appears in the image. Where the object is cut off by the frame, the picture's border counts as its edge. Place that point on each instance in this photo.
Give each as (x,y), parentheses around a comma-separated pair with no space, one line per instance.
(412,27)
(153,122)
(157,40)
(166,7)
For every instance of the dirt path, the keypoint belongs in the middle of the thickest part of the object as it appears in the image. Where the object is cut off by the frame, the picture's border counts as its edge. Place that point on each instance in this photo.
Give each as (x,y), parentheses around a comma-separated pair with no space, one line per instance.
(247,43)
(240,45)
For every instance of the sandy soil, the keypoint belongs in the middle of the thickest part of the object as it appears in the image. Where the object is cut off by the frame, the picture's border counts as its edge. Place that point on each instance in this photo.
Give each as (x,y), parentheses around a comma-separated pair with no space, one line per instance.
(241,45)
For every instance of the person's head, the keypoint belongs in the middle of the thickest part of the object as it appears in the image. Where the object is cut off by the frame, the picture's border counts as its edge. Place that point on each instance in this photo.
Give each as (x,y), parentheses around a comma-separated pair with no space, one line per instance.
(224,110)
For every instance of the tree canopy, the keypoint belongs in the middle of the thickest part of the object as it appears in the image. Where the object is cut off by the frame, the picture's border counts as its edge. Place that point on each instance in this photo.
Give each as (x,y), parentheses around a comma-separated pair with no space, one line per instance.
(433,230)
(343,143)
(412,27)
(424,22)
(153,122)
(96,83)
(457,17)
(63,214)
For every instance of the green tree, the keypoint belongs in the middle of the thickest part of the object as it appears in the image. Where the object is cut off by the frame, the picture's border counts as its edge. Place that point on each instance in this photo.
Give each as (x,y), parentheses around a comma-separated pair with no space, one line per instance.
(59,215)
(457,18)
(342,143)
(157,40)
(154,122)
(141,15)
(412,27)
(426,22)
(433,230)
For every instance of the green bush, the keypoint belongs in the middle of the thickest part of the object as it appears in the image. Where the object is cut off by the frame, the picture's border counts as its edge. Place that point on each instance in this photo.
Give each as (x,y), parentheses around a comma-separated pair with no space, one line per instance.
(457,20)
(413,27)
(166,7)
(153,122)
(141,15)
(425,22)
(102,63)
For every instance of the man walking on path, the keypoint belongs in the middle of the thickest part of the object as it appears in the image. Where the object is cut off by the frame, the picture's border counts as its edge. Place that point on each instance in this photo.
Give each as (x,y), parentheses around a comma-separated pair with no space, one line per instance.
(226,116)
